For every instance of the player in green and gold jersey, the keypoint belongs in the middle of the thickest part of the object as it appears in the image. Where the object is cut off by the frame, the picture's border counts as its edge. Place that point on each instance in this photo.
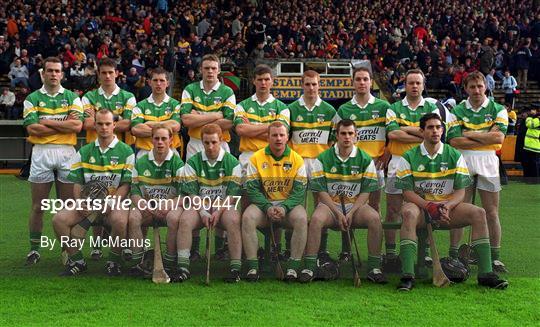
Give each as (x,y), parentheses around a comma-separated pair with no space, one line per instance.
(344,173)
(403,133)
(156,180)
(120,102)
(52,117)
(205,102)
(109,96)
(369,116)
(211,177)
(275,184)
(477,128)
(157,109)
(108,160)
(433,177)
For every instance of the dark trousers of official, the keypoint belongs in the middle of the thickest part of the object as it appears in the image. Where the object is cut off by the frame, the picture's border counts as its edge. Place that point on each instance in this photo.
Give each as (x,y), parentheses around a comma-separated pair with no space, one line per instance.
(531,167)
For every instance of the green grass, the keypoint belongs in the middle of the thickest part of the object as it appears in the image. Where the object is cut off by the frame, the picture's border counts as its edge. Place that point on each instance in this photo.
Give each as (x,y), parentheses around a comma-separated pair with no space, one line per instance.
(36,296)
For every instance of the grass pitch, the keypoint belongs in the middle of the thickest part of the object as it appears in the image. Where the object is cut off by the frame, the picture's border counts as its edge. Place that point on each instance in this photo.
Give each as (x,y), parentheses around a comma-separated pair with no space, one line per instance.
(37,296)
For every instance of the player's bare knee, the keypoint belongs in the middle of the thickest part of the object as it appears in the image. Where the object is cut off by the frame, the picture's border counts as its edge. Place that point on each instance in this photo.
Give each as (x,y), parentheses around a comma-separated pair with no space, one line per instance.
(173,221)
(316,223)
(299,222)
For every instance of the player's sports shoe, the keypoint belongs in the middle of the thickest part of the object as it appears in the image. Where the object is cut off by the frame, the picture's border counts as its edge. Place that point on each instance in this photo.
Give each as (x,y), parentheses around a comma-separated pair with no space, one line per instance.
(195,256)
(113,269)
(181,275)
(74,268)
(324,256)
(306,276)
(290,276)
(492,280)
(96,254)
(376,276)
(428,261)
(499,267)
(406,283)
(32,258)
(252,275)
(222,254)
(233,277)
(139,271)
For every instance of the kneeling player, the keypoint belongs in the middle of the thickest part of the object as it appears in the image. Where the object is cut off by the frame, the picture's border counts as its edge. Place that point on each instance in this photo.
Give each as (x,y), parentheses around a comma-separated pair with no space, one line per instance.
(155,193)
(108,160)
(275,184)
(344,173)
(212,177)
(433,177)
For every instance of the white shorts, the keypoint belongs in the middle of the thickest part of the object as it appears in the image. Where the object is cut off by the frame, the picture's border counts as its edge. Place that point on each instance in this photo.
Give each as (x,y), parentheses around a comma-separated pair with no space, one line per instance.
(309,163)
(392,170)
(486,167)
(195,145)
(244,161)
(46,158)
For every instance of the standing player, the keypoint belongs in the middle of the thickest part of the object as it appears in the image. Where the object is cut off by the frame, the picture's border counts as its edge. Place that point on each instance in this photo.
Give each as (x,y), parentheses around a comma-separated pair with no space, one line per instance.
(157,109)
(215,175)
(477,129)
(109,96)
(205,102)
(253,115)
(156,179)
(433,177)
(276,182)
(403,132)
(344,171)
(52,117)
(119,102)
(108,160)
(312,121)
(369,116)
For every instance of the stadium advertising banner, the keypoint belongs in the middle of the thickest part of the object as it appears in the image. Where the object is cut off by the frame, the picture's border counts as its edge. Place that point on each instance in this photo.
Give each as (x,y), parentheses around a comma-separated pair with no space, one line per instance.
(332,88)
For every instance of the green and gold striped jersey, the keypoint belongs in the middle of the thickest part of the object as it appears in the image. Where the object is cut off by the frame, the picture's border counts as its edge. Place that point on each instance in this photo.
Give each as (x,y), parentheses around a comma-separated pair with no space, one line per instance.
(400,114)
(220,98)
(112,165)
(276,181)
(346,177)
(259,113)
(370,122)
(433,178)
(121,103)
(311,128)
(149,110)
(214,180)
(41,105)
(480,120)
(157,181)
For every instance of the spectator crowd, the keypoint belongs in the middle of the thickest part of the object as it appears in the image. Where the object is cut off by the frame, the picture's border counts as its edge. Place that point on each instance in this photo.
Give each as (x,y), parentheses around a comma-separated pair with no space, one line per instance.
(446,39)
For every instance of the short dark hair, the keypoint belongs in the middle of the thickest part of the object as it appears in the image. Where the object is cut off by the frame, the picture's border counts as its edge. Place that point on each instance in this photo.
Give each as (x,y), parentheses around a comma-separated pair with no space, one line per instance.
(361,69)
(54,60)
(427,117)
(262,69)
(345,123)
(106,62)
(159,71)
